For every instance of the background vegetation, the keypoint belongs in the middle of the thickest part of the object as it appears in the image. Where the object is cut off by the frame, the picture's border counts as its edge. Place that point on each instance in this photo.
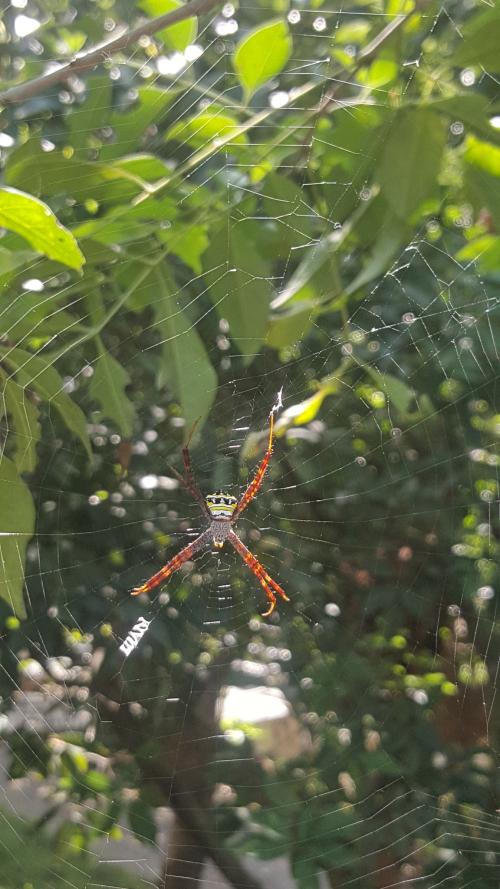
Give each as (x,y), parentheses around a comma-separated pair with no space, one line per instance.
(311,201)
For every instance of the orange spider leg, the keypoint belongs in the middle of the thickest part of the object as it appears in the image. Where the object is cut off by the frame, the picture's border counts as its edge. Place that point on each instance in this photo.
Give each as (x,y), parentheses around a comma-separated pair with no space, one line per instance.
(173,565)
(256,482)
(269,585)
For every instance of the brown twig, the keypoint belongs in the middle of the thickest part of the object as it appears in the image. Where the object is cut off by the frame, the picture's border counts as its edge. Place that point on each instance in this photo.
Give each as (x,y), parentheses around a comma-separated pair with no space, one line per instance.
(103,52)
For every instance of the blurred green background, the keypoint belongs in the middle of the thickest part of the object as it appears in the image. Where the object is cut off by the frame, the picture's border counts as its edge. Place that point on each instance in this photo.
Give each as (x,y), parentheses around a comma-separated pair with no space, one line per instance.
(279,195)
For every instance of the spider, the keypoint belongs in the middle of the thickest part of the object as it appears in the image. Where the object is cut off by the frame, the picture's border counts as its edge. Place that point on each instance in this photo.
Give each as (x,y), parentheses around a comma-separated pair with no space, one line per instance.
(222,510)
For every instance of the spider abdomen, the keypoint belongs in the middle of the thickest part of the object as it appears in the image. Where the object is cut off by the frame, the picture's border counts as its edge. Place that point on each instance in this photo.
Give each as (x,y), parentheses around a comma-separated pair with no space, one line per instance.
(220,530)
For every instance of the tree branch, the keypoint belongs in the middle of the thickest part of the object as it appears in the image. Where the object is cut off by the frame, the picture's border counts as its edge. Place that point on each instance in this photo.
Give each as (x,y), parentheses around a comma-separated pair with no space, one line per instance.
(103,52)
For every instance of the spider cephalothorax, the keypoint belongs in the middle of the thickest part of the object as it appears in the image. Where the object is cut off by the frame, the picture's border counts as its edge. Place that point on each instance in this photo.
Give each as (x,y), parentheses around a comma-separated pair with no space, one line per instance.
(222,510)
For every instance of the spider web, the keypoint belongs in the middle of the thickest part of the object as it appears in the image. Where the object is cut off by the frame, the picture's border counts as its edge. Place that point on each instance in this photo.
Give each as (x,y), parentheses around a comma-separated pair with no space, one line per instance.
(329,527)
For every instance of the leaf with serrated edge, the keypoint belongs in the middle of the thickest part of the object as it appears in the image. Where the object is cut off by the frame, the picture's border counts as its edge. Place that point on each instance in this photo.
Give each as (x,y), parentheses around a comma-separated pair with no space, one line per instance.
(18,524)
(36,223)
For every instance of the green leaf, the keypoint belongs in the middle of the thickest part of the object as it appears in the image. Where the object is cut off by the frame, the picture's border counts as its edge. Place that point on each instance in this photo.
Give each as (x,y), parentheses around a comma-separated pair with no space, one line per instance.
(188,243)
(315,258)
(262,55)
(397,392)
(147,167)
(411,160)
(207,127)
(36,223)
(484,250)
(36,373)
(480,41)
(472,109)
(31,316)
(18,524)
(305,411)
(288,328)
(379,73)
(96,781)
(481,172)
(25,431)
(178,36)
(390,236)
(483,155)
(185,366)
(236,276)
(92,113)
(129,126)
(347,140)
(52,173)
(107,386)
(284,203)
(13,262)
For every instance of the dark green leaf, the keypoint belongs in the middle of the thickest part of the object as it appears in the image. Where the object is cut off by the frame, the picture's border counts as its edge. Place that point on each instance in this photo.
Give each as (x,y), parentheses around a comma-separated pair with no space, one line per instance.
(185,367)
(92,113)
(289,327)
(239,289)
(389,239)
(480,41)
(411,160)
(35,316)
(474,110)
(38,374)
(315,258)
(18,524)
(52,173)
(284,203)
(130,126)
(107,386)
(24,424)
